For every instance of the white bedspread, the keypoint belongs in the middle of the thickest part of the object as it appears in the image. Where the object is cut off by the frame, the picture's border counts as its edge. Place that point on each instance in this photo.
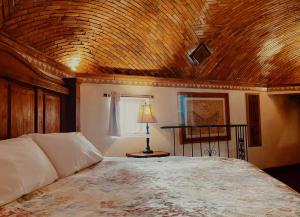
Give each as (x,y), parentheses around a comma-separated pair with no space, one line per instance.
(173,186)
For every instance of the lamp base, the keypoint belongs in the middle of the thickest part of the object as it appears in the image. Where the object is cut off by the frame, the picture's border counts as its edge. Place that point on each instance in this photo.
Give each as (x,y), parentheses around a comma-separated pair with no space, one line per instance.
(147,151)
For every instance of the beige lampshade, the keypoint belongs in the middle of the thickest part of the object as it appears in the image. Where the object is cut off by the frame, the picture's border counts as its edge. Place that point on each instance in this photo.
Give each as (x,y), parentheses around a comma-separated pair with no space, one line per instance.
(146,114)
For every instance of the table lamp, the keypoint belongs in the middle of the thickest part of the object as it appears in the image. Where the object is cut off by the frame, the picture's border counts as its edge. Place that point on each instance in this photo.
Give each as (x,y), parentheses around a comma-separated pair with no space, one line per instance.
(146,116)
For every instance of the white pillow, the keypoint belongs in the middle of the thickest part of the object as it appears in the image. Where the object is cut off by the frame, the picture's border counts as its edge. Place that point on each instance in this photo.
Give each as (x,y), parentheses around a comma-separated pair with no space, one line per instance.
(23,168)
(68,152)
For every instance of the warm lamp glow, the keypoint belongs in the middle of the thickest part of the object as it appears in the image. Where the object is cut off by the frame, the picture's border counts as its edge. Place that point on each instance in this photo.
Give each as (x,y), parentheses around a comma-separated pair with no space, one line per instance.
(74,62)
(146,114)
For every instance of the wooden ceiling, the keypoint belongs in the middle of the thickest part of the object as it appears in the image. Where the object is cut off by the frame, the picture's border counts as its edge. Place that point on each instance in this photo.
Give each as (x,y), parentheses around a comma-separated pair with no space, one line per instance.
(252,41)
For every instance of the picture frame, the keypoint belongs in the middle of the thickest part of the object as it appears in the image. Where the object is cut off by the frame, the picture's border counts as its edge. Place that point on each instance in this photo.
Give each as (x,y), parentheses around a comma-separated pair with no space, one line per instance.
(203,109)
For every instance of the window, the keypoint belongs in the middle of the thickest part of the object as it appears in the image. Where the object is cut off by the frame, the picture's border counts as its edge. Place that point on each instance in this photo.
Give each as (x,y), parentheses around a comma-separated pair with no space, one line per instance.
(129,109)
(253,119)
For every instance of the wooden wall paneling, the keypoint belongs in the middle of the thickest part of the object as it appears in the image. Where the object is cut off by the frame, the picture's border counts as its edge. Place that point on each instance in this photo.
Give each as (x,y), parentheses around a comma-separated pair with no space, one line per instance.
(1,13)
(3,109)
(71,105)
(31,101)
(22,119)
(39,122)
(6,10)
(64,120)
(253,119)
(52,113)
(77,107)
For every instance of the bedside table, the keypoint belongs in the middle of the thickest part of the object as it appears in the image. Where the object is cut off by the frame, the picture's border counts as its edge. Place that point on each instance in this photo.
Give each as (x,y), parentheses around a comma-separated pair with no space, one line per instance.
(143,155)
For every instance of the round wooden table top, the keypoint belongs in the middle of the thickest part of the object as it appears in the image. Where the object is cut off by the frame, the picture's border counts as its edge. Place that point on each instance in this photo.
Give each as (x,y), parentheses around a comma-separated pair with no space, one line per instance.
(146,155)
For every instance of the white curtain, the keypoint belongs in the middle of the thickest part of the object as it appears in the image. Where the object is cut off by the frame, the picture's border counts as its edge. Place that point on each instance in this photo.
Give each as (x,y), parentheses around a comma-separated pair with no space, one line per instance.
(114,117)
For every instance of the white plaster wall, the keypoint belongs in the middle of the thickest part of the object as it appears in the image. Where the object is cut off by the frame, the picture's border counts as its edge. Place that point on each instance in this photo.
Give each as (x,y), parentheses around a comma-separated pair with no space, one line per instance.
(280,117)
(280,127)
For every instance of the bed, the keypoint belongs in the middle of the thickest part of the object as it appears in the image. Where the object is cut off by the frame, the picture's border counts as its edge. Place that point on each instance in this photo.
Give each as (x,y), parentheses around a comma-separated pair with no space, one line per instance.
(174,186)
(33,102)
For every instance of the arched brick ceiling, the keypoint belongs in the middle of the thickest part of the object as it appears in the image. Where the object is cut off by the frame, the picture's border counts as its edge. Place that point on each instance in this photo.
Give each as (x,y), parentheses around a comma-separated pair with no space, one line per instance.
(254,41)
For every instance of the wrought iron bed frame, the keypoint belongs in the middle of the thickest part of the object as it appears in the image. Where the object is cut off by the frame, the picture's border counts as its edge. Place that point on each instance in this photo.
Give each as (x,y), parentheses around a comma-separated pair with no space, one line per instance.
(238,139)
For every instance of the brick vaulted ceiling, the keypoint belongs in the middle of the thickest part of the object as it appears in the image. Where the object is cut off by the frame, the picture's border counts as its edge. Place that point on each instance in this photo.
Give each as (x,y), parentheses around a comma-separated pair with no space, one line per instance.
(252,41)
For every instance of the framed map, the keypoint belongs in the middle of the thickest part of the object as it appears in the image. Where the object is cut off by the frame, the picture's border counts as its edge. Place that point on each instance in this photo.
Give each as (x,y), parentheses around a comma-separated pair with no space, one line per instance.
(203,109)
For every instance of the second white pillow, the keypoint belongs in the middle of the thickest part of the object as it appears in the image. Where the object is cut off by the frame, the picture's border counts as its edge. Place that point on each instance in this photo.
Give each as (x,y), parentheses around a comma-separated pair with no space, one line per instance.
(23,168)
(68,152)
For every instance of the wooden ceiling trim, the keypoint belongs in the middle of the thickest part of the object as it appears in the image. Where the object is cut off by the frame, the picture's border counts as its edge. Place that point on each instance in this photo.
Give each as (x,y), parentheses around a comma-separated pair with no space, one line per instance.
(162,82)
(14,67)
(46,65)
(279,90)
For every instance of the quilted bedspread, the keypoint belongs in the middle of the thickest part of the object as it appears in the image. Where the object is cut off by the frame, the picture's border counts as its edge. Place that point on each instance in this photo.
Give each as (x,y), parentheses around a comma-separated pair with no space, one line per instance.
(173,186)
